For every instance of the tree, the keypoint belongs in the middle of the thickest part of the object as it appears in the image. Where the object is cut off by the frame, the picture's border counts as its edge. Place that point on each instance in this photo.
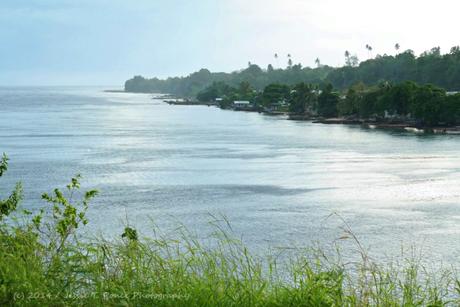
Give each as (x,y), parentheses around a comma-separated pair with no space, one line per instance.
(369,51)
(318,62)
(354,61)
(349,105)
(302,99)
(245,91)
(289,60)
(215,90)
(347,58)
(450,110)
(274,93)
(426,104)
(397,47)
(455,50)
(9,204)
(327,102)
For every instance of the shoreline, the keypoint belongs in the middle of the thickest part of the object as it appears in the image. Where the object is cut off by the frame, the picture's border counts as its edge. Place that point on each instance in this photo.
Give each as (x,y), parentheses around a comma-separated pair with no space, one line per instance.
(370,124)
(365,123)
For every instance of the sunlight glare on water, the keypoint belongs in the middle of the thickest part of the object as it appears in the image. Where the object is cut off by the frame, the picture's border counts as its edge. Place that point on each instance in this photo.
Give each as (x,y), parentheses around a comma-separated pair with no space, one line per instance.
(276,180)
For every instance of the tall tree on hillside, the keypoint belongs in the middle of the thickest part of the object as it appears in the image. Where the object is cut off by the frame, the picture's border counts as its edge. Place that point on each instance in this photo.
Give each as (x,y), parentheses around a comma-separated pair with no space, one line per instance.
(276,59)
(318,62)
(397,47)
(347,58)
(369,50)
(354,61)
(289,60)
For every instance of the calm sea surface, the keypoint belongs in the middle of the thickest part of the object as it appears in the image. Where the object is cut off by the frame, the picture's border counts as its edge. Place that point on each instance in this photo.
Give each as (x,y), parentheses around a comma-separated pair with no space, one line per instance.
(276,181)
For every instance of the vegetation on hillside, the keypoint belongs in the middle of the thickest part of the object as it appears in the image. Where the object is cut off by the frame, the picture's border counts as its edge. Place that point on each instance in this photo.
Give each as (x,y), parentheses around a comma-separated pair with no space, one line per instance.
(44,262)
(442,70)
(258,78)
(430,67)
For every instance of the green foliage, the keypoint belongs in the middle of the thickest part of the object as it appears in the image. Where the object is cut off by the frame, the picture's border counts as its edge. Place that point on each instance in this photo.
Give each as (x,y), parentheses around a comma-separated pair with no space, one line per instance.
(275,93)
(327,102)
(427,103)
(9,205)
(429,67)
(350,105)
(195,83)
(130,234)
(450,110)
(302,99)
(215,90)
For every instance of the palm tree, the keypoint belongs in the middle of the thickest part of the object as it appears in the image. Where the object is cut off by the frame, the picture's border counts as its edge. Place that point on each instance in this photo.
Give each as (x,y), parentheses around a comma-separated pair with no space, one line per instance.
(289,60)
(369,51)
(397,47)
(276,59)
(347,57)
(318,62)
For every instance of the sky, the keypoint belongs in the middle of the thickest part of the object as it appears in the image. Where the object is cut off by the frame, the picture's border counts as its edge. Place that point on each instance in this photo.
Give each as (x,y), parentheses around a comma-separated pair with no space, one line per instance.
(105,42)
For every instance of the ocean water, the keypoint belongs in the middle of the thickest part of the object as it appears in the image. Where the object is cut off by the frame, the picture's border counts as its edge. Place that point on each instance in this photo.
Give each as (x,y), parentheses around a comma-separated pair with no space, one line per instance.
(280,183)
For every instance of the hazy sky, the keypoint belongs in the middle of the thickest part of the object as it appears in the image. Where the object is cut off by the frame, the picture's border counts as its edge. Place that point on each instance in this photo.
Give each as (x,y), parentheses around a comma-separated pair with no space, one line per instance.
(105,42)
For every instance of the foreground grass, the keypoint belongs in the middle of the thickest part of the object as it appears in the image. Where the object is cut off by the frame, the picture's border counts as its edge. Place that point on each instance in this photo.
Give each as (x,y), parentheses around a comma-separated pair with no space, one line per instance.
(43,263)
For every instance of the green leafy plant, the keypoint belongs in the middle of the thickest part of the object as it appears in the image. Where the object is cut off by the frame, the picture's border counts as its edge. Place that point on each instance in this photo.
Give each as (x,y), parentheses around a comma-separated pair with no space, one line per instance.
(9,204)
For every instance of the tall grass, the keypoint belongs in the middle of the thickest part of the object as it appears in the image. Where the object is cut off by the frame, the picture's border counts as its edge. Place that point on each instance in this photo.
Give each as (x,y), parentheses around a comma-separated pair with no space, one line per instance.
(44,263)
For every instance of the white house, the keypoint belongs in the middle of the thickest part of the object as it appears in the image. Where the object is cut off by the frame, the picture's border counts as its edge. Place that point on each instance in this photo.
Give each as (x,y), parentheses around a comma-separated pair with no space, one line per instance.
(241,103)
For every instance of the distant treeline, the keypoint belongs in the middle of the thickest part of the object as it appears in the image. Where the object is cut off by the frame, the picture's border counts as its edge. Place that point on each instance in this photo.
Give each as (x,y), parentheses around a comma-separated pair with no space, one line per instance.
(430,67)
(258,78)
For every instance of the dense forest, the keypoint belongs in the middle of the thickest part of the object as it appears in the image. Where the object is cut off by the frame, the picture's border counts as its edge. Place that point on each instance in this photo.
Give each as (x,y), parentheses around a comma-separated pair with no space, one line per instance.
(422,105)
(431,66)
(258,78)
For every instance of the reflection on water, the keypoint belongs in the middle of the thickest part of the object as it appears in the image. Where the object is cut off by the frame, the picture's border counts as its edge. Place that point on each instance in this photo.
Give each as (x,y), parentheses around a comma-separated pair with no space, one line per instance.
(276,180)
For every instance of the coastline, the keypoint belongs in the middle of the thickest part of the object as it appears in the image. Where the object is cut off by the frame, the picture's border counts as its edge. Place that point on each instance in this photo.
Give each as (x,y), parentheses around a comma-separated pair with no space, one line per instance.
(365,123)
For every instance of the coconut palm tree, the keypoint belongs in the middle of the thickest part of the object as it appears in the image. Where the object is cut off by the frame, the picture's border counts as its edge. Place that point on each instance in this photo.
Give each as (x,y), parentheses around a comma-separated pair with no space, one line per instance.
(369,51)
(347,58)
(318,62)
(397,47)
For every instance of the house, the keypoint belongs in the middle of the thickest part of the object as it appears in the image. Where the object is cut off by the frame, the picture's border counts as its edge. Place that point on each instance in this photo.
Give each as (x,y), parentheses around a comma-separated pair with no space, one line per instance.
(242,104)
